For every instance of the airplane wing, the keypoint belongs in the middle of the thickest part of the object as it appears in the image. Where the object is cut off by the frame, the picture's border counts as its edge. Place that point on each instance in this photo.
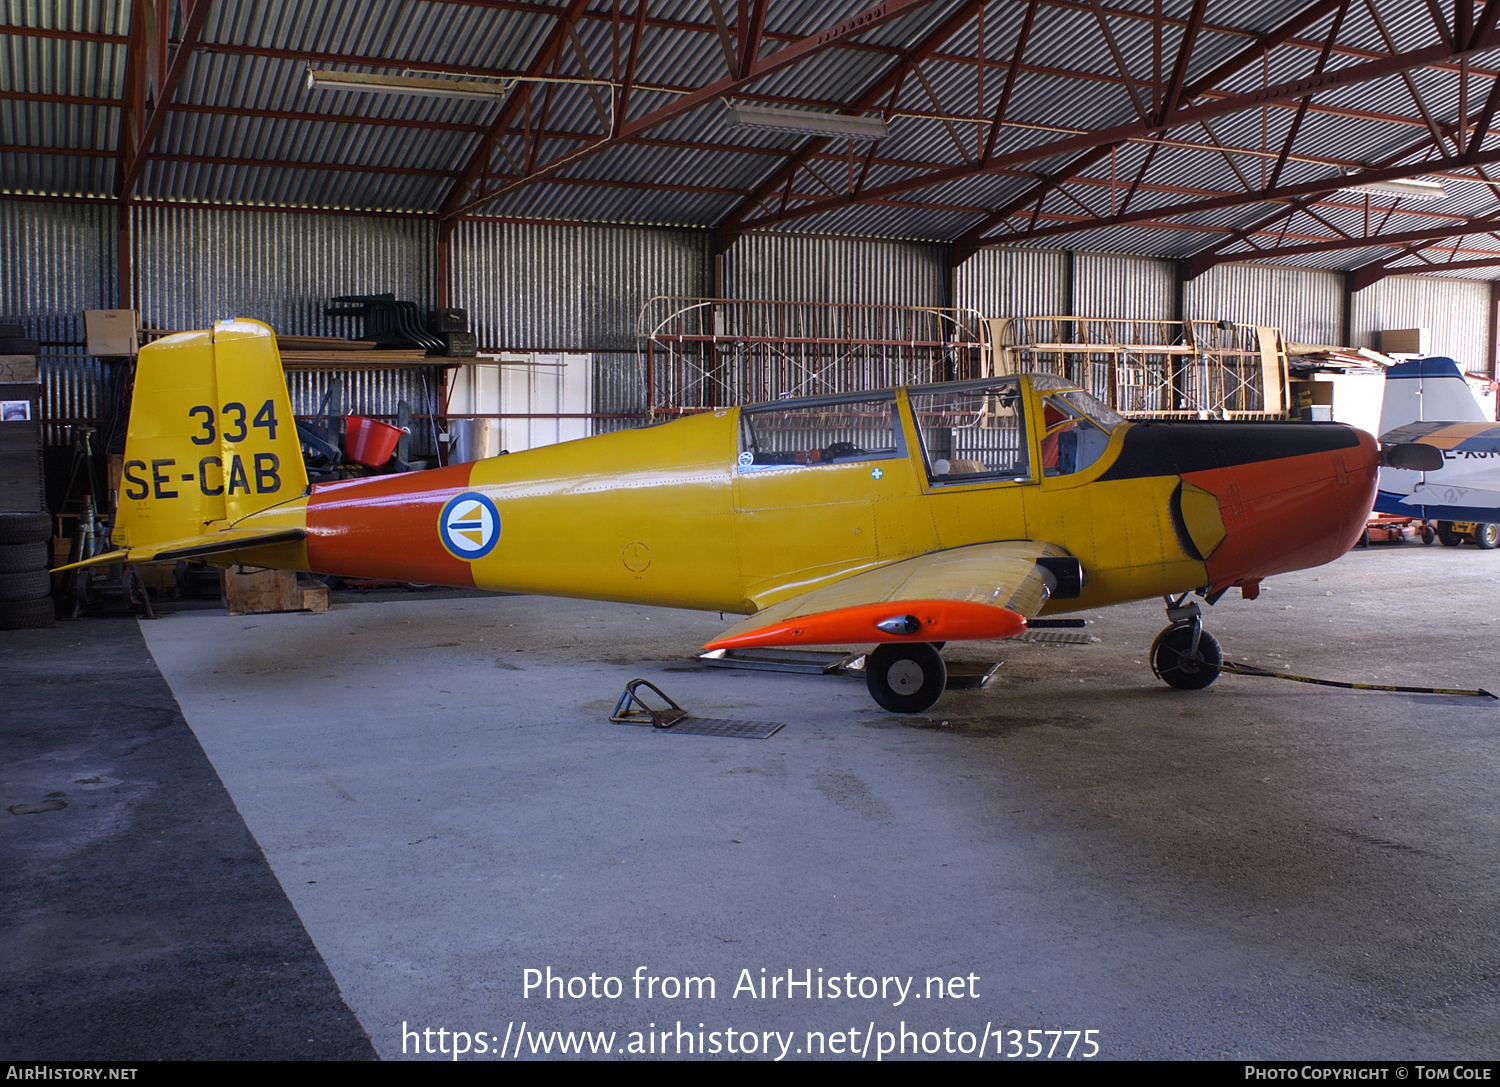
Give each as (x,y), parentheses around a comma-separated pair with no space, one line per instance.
(193,547)
(1459,437)
(978,592)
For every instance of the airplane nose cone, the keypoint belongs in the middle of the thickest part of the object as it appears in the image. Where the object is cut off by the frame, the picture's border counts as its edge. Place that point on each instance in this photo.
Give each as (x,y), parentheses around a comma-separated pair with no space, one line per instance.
(1292,512)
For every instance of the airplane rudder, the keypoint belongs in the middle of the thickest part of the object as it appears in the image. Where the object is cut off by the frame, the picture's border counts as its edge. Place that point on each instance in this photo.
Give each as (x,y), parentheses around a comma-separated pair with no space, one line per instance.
(211,438)
(160,494)
(261,453)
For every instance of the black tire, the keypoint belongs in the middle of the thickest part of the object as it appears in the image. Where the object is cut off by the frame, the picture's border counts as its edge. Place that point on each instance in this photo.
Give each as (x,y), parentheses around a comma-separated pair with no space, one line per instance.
(27,614)
(1174,663)
(20,558)
(32,585)
(1427,534)
(1487,537)
(906,677)
(1446,536)
(24,528)
(1364,539)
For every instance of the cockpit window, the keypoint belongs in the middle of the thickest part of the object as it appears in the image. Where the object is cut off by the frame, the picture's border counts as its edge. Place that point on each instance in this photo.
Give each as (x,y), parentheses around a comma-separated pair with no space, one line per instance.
(1105,418)
(805,435)
(1071,439)
(972,433)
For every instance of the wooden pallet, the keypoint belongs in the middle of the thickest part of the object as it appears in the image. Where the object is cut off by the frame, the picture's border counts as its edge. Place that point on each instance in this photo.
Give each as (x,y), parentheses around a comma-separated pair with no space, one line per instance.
(256,592)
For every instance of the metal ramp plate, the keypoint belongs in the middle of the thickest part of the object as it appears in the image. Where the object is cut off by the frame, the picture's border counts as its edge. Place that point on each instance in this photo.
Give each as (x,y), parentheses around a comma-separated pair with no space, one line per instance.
(811,662)
(1056,637)
(634,709)
(968,675)
(962,675)
(713,726)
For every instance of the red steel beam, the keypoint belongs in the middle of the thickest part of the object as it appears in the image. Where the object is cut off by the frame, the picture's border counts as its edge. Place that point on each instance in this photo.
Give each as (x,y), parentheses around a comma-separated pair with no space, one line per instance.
(1369,274)
(760,67)
(1284,192)
(63,35)
(1178,93)
(193,19)
(1334,245)
(1338,79)
(729,226)
(1202,260)
(550,50)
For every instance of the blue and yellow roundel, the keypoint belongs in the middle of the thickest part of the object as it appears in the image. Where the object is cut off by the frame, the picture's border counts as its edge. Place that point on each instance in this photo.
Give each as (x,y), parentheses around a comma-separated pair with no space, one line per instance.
(469,526)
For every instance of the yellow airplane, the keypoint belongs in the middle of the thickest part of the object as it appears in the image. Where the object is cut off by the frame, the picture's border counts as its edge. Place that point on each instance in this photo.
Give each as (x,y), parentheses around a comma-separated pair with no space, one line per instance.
(903,518)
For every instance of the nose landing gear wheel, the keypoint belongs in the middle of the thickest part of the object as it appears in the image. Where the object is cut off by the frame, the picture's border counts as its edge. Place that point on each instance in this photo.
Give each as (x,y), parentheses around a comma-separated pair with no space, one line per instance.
(1175,663)
(905,678)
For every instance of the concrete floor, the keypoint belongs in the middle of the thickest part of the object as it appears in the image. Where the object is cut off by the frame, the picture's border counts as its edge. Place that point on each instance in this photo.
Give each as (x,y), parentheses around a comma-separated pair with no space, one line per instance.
(1261,870)
(139,920)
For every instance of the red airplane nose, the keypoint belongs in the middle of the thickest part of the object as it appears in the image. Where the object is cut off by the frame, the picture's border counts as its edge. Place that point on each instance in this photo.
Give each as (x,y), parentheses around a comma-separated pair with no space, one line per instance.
(1291,513)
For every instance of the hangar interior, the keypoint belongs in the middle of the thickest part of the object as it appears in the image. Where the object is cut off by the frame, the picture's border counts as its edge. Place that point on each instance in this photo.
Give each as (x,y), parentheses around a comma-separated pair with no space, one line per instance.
(226,829)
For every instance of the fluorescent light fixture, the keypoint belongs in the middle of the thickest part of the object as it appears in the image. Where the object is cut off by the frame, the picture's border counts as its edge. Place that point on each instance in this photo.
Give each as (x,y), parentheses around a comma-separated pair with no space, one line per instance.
(433,86)
(807,122)
(1411,188)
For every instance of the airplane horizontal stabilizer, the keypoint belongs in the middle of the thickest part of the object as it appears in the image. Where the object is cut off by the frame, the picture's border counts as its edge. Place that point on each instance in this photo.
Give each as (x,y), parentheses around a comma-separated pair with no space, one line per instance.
(194,547)
(1427,494)
(1458,437)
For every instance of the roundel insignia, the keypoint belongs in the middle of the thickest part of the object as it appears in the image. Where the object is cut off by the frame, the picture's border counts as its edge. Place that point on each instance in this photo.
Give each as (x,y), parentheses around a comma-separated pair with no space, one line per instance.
(469,525)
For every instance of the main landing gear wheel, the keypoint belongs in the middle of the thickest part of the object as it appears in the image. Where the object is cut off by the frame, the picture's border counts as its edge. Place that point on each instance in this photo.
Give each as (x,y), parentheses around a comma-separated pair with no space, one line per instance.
(905,677)
(1174,661)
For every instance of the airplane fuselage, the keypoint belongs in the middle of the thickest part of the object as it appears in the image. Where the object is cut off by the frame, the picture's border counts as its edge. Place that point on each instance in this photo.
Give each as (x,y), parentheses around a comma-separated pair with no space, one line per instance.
(672,515)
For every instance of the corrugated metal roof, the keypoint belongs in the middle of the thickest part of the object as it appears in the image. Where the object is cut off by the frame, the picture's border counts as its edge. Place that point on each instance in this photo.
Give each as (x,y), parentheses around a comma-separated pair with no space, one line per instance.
(242,128)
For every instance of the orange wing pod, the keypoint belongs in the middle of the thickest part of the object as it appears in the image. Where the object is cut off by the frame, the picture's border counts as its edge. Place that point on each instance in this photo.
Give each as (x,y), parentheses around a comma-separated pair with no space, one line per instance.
(896,621)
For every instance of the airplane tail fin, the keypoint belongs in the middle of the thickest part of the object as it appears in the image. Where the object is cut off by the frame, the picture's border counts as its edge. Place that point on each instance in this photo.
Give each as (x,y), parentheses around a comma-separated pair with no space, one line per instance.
(1424,390)
(212,438)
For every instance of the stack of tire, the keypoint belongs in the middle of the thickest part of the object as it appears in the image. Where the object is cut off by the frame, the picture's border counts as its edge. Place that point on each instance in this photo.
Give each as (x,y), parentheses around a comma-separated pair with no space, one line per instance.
(25,584)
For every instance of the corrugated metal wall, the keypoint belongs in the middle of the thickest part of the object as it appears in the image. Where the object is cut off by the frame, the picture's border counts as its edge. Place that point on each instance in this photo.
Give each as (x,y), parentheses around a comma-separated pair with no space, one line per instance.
(1014,282)
(580,288)
(194,266)
(537,287)
(1110,285)
(821,269)
(1049,282)
(1457,311)
(59,260)
(1307,304)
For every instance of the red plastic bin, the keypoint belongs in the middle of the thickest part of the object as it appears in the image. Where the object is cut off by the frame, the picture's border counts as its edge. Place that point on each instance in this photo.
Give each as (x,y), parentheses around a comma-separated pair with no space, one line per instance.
(369,441)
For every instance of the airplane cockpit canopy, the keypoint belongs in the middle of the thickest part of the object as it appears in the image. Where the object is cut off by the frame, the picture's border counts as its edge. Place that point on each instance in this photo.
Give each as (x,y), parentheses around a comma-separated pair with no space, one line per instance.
(970,431)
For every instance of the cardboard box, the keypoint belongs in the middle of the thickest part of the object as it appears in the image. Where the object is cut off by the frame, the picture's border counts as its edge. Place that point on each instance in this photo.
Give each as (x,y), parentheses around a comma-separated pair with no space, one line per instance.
(1406,341)
(112,333)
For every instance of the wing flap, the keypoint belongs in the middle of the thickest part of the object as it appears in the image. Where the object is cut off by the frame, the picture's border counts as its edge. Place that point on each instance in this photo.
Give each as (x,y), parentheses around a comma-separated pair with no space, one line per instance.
(980,592)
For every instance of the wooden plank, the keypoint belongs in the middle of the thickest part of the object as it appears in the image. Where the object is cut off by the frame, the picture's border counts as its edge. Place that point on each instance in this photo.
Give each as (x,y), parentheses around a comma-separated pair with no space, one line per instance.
(302,361)
(322,343)
(1108,348)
